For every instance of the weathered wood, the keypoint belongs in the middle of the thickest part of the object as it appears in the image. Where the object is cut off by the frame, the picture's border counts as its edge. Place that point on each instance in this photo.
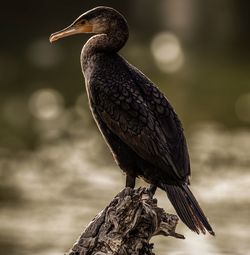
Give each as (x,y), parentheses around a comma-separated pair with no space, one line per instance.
(126,226)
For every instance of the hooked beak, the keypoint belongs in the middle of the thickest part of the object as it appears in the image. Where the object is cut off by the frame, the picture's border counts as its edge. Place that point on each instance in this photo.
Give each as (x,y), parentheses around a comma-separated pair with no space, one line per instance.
(71,30)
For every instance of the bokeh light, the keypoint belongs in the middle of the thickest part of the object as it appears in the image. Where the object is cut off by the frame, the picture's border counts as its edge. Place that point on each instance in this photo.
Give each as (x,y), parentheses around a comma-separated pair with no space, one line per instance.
(46,104)
(167,52)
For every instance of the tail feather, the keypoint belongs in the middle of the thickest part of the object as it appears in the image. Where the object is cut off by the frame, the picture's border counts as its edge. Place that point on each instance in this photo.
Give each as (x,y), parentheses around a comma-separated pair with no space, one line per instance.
(181,207)
(188,208)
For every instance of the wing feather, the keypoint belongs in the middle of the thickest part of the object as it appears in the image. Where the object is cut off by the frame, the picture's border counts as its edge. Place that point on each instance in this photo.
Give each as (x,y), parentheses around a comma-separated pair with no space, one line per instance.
(168,119)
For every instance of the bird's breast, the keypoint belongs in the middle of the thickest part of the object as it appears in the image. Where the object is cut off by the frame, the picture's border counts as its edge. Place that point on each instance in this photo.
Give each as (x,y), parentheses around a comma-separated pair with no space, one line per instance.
(87,69)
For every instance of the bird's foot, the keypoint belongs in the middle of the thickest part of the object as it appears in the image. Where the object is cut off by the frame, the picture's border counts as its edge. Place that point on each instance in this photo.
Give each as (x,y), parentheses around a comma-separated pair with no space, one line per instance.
(151,190)
(130,181)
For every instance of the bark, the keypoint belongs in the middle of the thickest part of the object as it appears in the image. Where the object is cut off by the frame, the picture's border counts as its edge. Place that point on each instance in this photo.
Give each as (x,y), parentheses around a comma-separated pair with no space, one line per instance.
(126,226)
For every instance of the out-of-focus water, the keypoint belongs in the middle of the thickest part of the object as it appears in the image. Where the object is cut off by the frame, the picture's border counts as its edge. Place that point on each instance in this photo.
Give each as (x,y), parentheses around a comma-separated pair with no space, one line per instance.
(48,196)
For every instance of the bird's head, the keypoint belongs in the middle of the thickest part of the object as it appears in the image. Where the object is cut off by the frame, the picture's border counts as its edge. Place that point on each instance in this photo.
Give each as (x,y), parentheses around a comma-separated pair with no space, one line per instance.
(100,20)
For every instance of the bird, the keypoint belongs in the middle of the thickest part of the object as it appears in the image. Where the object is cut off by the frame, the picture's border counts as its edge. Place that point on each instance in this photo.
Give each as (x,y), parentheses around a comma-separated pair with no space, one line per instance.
(135,118)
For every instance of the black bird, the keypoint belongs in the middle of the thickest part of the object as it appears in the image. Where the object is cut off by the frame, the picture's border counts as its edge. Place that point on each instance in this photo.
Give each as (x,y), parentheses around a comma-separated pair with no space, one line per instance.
(136,120)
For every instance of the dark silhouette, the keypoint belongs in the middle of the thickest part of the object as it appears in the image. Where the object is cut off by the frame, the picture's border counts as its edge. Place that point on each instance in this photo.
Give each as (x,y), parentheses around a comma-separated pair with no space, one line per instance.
(136,120)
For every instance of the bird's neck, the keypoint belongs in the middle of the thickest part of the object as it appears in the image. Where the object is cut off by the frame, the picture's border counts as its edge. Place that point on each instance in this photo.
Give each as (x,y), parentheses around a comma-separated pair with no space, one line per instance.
(102,43)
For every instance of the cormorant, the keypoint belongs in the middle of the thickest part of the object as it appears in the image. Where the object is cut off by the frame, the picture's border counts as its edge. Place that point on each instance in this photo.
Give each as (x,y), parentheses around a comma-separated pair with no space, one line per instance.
(136,120)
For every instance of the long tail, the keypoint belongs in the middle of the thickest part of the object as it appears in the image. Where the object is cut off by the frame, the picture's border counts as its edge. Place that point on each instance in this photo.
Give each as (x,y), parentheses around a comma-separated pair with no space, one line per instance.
(188,208)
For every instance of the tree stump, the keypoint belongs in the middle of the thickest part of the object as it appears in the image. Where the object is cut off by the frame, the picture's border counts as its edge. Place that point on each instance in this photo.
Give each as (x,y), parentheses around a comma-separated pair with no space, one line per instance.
(126,226)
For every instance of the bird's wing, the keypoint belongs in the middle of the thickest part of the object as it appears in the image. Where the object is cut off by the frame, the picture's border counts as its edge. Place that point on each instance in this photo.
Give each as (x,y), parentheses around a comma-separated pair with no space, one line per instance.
(168,119)
(126,112)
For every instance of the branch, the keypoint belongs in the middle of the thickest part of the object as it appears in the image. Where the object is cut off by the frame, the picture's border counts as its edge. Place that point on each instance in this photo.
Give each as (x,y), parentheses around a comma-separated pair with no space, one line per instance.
(126,226)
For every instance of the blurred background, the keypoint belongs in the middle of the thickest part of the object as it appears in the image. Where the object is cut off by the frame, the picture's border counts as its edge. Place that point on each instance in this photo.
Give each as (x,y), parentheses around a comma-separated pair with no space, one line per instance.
(56,173)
